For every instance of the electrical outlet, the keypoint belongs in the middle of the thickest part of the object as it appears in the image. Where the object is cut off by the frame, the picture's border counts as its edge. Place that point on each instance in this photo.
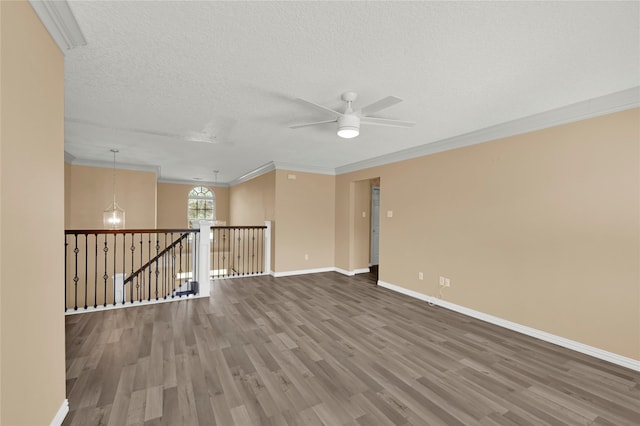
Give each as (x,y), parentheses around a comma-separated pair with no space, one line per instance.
(442,281)
(447,282)
(306,257)
(420,276)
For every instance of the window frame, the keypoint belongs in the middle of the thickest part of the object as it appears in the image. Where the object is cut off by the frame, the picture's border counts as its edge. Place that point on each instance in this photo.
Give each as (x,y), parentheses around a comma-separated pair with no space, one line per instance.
(200,193)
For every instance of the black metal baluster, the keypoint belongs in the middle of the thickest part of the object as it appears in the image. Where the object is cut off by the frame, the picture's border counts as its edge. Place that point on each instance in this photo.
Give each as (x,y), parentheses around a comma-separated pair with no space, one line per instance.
(140,283)
(240,251)
(189,259)
(95,271)
(66,245)
(133,249)
(173,269)
(86,268)
(245,251)
(232,241)
(172,265)
(165,261)
(150,268)
(105,276)
(253,251)
(227,256)
(193,253)
(180,259)
(113,277)
(241,244)
(157,272)
(124,266)
(216,240)
(75,277)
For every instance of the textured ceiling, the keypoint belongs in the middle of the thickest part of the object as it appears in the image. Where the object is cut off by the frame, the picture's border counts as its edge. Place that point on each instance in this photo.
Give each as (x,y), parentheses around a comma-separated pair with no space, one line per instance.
(156,78)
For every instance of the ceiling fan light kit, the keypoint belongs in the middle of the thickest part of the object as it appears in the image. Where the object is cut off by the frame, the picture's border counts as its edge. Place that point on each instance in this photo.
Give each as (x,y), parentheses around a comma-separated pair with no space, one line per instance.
(348,126)
(349,121)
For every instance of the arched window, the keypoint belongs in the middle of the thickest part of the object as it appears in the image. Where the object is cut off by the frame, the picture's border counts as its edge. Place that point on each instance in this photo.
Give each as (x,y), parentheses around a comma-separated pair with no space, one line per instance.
(201,205)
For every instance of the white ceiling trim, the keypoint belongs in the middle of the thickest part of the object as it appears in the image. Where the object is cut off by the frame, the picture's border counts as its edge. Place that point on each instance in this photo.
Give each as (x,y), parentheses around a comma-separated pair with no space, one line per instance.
(194,182)
(304,169)
(277,165)
(119,166)
(68,158)
(614,102)
(264,169)
(58,19)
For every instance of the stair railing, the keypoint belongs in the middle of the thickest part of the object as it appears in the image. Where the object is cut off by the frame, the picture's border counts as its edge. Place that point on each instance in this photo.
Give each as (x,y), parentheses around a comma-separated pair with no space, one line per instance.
(240,250)
(117,267)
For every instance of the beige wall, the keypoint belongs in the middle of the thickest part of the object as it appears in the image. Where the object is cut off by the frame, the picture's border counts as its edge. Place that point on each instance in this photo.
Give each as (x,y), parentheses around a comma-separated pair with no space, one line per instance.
(305,221)
(541,229)
(32,354)
(67,195)
(172,204)
(253,202)
(90,191)
(302,211)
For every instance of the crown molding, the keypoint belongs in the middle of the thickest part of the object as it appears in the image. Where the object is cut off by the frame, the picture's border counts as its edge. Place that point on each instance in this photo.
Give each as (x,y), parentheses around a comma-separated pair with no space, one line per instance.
(120,166)
(614,102)
(278,165)
(68,158)
(264,169)
(304,169)
(58,19)
(194,182)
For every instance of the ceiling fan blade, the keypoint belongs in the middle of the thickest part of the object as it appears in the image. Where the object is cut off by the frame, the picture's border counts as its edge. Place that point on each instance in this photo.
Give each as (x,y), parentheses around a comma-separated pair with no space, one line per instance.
(297,126)
(386,122)
(379,105)
(320,107)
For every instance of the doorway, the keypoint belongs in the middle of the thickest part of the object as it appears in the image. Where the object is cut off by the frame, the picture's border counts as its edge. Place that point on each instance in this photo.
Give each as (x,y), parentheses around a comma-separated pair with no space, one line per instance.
(375,230)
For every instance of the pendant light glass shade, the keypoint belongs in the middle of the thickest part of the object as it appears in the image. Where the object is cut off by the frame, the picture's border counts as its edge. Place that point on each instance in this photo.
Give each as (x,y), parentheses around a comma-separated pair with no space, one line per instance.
(113,216)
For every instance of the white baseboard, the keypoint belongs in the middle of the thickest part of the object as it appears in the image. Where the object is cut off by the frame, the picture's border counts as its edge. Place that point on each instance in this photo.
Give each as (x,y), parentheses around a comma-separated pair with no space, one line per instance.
(532,332)
(318,270)
(61,414)
(345,272)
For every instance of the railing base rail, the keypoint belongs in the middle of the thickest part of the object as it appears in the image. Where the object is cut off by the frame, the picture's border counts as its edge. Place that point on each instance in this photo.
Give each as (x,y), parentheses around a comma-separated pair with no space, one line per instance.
(135,304)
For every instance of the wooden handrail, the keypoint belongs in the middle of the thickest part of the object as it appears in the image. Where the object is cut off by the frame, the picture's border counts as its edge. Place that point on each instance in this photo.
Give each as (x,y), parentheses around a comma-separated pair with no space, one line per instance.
(239,227)
(156,257)
(127,231)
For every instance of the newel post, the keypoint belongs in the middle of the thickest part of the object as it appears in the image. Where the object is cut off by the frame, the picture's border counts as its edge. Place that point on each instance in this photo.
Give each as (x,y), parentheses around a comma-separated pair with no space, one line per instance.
(203,264)
(267,248)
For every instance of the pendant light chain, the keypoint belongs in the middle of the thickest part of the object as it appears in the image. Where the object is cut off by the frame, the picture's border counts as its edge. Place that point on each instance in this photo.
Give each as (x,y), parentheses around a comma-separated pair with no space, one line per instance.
(113,216)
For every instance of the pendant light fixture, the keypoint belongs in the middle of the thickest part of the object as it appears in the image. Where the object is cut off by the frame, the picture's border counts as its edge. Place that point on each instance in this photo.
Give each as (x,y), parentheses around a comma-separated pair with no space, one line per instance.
(113,216)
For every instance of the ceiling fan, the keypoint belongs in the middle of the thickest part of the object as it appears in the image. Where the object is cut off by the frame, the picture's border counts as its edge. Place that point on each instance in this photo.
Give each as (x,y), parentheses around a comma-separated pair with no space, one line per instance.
(349,121)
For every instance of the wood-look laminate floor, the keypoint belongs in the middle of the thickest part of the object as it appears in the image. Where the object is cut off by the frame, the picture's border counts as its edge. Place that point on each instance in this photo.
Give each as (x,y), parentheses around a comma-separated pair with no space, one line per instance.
(327,349)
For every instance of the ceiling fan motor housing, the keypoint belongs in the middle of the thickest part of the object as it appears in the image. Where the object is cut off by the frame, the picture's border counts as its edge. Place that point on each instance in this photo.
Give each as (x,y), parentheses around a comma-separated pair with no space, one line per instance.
(348,126)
